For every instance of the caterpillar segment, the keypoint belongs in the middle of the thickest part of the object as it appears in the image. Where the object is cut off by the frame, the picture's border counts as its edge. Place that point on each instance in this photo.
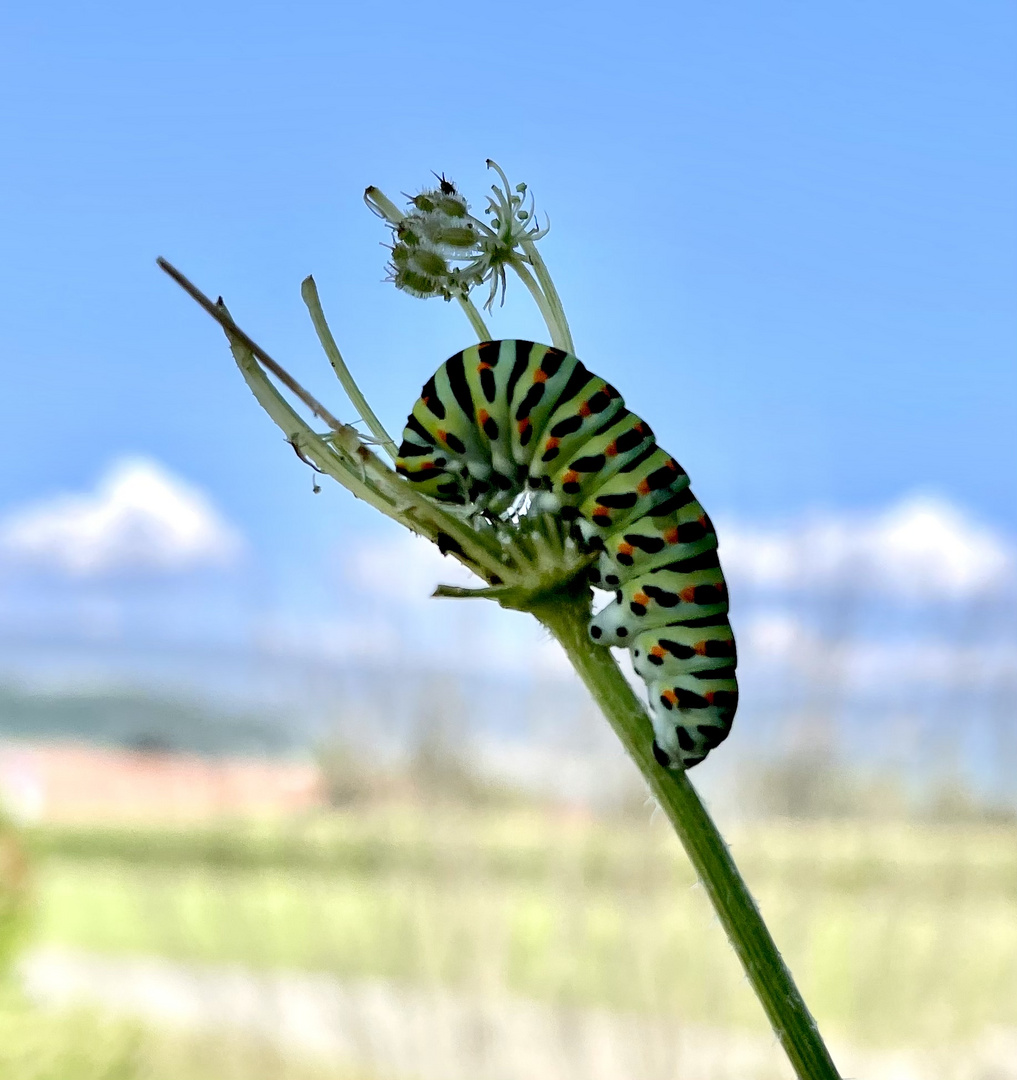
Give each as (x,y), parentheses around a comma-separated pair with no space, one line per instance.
(440,451)
(547,374)
(506,417)
(654,540)
(652,482)
(616,444)
(659,598)
(478,378)
(705,645)
(689,669)
(497,373)
(579,415)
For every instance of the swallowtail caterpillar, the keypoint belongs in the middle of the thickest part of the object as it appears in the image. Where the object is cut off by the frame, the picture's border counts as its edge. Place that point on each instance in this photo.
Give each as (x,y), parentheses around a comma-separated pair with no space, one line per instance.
(504,417)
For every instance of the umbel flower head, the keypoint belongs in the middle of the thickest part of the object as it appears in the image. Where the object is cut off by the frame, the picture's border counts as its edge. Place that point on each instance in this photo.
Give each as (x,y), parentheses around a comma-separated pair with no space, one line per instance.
(440,249)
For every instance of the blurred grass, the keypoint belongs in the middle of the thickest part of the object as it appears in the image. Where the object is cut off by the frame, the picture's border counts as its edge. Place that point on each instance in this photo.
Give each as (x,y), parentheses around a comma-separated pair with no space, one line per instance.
(15,889)
(82,1044)
(897,934)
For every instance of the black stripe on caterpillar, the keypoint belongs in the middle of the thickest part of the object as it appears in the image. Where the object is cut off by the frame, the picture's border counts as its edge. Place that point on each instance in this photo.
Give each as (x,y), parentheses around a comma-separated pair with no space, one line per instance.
(506,417)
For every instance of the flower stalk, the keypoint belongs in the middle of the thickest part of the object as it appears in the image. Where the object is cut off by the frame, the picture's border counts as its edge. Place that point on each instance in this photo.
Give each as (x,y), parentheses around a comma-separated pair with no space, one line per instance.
(528,561)
(566,615)
(309,293)
(342,454)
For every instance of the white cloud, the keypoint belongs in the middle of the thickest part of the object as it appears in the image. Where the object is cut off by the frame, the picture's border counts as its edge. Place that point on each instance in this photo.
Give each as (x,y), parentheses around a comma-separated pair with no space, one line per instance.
(923,547)
(770,635)
(406,568)
(140,517)
(398,576)
(327,639)
(769,639)
(876,665)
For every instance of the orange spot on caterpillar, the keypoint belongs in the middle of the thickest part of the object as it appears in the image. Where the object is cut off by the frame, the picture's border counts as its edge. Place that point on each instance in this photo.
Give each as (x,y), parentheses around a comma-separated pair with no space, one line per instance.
(641,598)
(483,416)
(442,435)
(672,465)
(657,651)
(539,376)
(700,647)
(671,696)
(671,536)
(552,444)
(483,366)
(611,450)
(688,594)
(643,487)
(625,549)
(709,696)
(570,477)
(523,425)
(584,409)
(702,521)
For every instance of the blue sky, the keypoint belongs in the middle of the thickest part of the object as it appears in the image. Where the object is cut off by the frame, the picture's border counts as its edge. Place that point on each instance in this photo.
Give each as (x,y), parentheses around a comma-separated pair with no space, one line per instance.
(787,232)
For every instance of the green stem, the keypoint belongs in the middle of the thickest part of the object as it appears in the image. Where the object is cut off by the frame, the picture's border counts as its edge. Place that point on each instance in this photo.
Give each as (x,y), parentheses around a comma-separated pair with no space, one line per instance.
(364,474)
(553,299)
(567,616)
(560,336)
(221,315)
(309,292)
(478,324)
(564,610)
(349,461)
(306,442)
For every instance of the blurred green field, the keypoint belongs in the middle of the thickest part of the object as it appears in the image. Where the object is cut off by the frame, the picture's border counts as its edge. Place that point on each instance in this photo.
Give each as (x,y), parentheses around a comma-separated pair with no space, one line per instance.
(81,1044)
(898,934)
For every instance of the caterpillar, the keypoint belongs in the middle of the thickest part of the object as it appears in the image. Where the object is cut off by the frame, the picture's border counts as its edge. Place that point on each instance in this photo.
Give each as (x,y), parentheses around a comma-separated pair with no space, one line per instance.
(506,419)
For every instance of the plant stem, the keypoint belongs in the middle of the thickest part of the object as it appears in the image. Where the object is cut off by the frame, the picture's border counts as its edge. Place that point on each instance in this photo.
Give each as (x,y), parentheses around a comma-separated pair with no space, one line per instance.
(309,292)
(566,615)
(218,312)
(564,610)
(551,293)
(560,336)
(308,444)
(478,324)
(362,473)
(348,461)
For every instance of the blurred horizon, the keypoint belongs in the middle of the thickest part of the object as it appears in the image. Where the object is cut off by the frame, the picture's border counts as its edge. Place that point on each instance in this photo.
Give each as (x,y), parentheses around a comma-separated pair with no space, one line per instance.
(884,641)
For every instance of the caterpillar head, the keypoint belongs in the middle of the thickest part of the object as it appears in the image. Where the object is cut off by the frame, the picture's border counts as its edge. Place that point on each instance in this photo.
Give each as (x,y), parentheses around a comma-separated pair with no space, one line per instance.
(611,627)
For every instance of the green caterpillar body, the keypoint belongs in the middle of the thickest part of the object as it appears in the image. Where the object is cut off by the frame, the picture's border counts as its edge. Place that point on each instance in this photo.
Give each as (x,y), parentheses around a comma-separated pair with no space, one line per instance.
(505,418)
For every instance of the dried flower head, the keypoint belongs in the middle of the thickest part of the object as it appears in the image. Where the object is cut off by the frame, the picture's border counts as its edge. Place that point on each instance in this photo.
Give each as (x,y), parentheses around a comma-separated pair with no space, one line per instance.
(441,249)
